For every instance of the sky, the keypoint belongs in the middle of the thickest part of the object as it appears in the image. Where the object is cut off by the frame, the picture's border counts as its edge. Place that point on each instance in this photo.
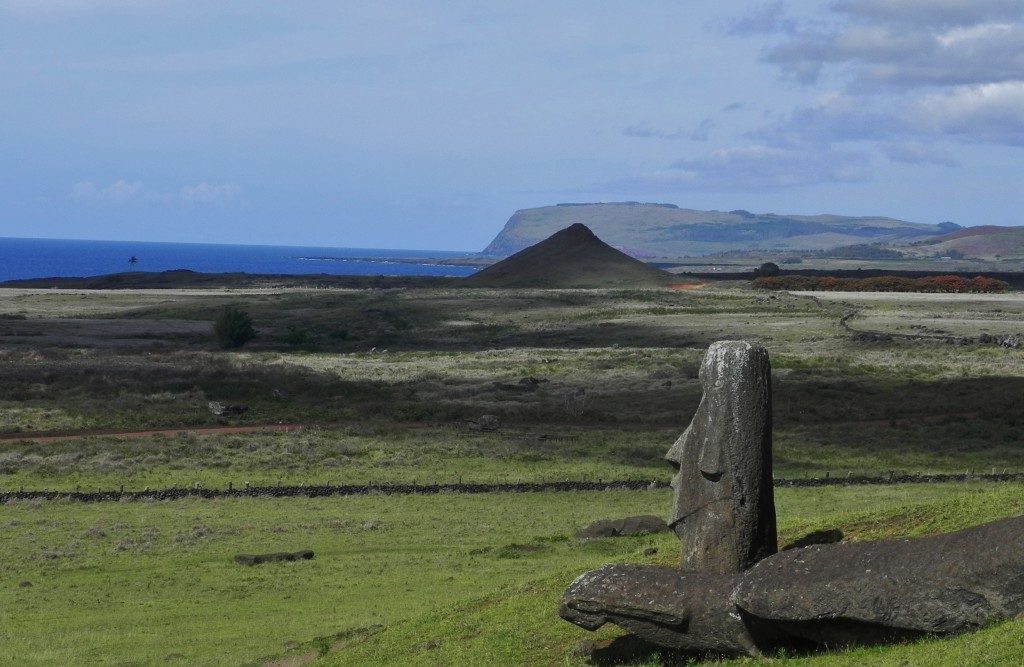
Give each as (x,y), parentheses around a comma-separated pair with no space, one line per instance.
(425,125)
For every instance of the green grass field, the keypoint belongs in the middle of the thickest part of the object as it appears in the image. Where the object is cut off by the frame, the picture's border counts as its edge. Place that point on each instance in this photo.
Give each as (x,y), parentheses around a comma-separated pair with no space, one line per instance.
(385,383)
(140,583)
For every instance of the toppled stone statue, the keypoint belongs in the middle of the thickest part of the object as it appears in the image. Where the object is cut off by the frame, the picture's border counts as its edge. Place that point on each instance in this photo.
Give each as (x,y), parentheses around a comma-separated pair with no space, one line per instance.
(724,508)
(631,525)
(735,594)
(830,595)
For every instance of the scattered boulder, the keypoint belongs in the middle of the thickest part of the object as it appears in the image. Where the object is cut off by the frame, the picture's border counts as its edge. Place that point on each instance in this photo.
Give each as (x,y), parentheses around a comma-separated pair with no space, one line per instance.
(1011,341)
(225,410)
(259,559)
(633,525)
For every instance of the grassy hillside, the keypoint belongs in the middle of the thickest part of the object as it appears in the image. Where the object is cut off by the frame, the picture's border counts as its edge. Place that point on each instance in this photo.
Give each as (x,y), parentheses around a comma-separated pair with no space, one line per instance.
(516,625)
(665,230)
(984,242)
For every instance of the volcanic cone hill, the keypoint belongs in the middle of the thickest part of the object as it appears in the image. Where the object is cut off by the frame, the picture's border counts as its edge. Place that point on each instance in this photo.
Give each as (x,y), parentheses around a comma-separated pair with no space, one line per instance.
(572,257)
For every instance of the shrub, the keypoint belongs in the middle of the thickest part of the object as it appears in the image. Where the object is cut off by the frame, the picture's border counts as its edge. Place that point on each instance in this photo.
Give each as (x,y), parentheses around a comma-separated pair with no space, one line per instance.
(298,336)
(768,270)
(941,284)
(233,328)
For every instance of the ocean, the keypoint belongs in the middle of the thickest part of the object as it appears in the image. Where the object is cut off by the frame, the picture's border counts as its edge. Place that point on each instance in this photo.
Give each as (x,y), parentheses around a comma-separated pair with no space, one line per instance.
(46,258)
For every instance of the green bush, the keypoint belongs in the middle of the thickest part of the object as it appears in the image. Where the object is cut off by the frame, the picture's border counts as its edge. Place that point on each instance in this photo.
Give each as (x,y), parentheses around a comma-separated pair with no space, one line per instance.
(233,328)
(298,336)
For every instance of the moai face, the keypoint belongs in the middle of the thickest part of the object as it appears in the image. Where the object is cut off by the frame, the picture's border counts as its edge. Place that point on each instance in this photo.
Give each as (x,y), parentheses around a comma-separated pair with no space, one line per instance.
(723,510)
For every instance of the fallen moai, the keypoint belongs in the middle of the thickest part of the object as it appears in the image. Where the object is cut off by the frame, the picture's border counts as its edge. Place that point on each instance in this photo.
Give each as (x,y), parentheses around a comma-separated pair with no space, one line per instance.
(734,594)
(831,595)
(631,525)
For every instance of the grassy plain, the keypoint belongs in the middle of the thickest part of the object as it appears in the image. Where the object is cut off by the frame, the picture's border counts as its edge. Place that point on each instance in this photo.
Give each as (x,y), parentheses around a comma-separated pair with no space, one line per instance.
(385,383)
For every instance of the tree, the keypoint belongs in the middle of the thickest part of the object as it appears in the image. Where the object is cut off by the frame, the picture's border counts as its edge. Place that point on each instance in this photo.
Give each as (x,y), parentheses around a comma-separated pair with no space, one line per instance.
(768,269)
(233,328)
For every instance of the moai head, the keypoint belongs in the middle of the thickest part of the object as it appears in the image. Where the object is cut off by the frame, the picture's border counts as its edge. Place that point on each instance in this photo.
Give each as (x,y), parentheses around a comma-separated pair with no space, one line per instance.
(723,510)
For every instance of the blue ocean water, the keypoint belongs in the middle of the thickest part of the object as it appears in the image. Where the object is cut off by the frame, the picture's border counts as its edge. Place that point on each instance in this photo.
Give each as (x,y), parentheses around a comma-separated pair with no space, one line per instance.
(46,258)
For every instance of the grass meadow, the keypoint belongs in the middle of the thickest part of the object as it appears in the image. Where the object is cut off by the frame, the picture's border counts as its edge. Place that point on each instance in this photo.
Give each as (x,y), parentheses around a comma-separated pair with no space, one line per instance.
(385,385)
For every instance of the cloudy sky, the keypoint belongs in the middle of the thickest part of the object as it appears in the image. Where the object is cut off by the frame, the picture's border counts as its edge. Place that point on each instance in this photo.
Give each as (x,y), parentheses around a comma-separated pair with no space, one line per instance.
(426,124)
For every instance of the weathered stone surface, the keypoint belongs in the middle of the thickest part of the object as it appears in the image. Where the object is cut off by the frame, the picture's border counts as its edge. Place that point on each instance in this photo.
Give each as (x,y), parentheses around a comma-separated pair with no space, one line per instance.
(633,525)
(734,594)
(872,591)
(682,610)
(724,508)
(832,595)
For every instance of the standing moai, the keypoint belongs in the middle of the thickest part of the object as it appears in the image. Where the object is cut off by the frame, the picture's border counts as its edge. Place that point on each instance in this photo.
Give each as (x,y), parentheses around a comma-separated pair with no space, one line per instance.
(724,508)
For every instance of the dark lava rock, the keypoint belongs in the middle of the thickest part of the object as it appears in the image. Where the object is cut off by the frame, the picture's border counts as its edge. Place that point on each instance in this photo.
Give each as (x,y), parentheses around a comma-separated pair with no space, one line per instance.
(225,410)
(872,591)
(724,507)
(259,559)
(633,525)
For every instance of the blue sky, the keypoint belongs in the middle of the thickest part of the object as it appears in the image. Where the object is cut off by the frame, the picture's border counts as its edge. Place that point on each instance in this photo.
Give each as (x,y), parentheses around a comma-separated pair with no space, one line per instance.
(426,124)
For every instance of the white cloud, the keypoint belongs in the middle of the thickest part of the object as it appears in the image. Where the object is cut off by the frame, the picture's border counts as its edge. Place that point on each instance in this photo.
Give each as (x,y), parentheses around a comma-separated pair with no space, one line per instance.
(992,113)
(911,73)
(205,193)
(766,19)
(125,192)
(644,131)
(118,192)
(703,130)
(911,152)
(930,12)
(759,166)
(908,44)
(754,167)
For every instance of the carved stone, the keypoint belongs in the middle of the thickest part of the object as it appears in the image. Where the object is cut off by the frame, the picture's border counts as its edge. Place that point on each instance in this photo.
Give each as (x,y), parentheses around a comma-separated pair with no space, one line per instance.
(724,508)
(734,594)
(831,595)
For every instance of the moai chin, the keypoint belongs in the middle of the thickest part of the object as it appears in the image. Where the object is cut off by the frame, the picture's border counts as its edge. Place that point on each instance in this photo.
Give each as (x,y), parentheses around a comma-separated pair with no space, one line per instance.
(724,508)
